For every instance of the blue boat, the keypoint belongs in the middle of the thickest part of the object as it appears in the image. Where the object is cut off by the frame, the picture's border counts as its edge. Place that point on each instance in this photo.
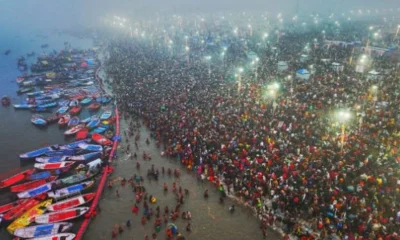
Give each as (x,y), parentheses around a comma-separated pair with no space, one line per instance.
(48,105)
(75,144)
(64,152)
(63,192)
(86,120)
(63,103)
(106,115)
(73,121)
(51,159)
(24,106)
(34,94)
(86,101)
(42,230)
(103,100)
(43,174)
(85,157)
(93,123)
(63,110)
(91,147)
(35,191)
(100,129)
(38,120)
(39,152)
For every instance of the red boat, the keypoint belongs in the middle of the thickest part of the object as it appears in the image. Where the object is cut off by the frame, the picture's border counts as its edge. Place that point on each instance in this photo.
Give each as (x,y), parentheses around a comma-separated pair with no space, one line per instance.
(61,215)
(51,166)
(82,134)
(32,184)
(52,119)
(63,121)
(16,178)
(24,206)
(7,207)
(94,106)
(71,202)
(75,110)
(100,139)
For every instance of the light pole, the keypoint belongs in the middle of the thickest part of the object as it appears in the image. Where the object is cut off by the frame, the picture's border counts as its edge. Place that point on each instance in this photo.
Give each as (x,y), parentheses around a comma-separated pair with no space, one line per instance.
(240,70)
(397,32)
(208,59)
(265,36)
(343,116)
(187,53)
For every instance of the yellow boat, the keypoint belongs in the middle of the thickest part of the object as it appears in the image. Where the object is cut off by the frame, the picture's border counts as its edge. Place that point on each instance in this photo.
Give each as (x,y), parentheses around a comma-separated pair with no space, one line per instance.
(29,216)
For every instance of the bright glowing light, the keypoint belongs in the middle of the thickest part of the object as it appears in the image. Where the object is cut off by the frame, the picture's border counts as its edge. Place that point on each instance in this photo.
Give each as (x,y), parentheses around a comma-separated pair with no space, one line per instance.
(240,70)
(249,26)
(170,42)
(186,37)
(265,35)
(343,115)
(208,58)
(187,48)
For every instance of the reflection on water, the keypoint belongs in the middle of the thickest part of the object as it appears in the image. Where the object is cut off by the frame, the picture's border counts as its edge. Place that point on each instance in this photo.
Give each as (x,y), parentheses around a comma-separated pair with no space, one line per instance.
(210,220)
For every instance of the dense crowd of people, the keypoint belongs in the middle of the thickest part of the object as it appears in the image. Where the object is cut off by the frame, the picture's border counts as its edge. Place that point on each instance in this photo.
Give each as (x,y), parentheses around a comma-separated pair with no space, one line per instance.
(285,153)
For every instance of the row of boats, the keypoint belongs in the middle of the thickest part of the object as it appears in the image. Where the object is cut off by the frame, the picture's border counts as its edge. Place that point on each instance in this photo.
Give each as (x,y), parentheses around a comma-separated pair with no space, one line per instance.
(47,195)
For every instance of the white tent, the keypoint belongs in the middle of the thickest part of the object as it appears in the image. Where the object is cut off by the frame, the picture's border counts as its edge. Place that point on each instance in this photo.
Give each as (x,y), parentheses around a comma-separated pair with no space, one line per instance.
(337,67)
(373,75)
(303,74)
(282,66)
(304,58)
(360,68)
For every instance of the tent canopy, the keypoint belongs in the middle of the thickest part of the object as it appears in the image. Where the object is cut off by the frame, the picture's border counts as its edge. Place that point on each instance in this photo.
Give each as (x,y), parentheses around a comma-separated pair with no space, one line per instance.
(373,72)
(303,71)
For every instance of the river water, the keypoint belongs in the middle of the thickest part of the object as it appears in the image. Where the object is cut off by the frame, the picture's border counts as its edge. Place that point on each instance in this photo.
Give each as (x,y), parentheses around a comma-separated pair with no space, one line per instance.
(210,220)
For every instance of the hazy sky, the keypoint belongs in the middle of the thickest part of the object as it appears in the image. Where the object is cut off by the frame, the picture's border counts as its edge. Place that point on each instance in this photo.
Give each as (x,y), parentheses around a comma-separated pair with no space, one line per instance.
(66,13)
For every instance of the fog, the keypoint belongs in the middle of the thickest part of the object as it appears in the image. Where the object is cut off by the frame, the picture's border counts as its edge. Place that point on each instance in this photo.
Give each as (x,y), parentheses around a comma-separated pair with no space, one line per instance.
(41,14)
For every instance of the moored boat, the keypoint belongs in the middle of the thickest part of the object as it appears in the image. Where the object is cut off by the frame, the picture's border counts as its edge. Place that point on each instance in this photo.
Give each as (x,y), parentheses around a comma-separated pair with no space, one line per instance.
(42,230)
(60,216)
(60,236)
(63,121)
(32,184)
(51,166)
(64,192)
(86,101)
(38,120)
(62,110)
(94,106)
(85,157)
(106,115)
(75,110)
(33,192)
(71,202)
(82,134)
(91,147)
(100,139)
(74,130)
(44,174)
(7,207)
(73,121)
(39,152)
(78,177)
(16,178)
(28,217)
(23,106)
(24,206)
(53,119)
(93,123)
(51,159)
(74,145)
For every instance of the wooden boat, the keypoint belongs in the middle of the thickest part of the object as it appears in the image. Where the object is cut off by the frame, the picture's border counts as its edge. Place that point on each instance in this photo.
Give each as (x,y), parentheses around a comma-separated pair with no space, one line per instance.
(25,90)
(50,166)
(64,120)
(93,123)
(42,230)
(62,110)
(60,216)
(73,121)
(91,147)
(94,106)
(86,101)
(16,178)
(82,134)
(75,110)
(44,174)
(60,236)
(71,202)
(63,192)
(39,152)
(74,130)
(24,206)
(100,129)
(33,192)
(5,101)
(100,139)
(28,217)
(78,177)
(53,119)
(7,207)
(32,184)
(106,115)
(48,105)
(23,106)
(74,145)
(63,103)
(85,157)
(38,120)
(51,159)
